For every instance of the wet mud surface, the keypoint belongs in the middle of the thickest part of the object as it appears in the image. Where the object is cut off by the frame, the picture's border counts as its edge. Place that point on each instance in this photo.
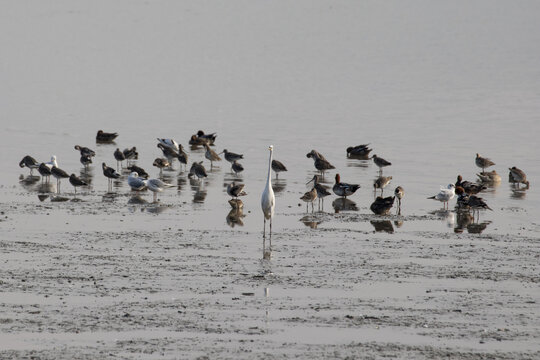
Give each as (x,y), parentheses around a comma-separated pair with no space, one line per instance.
(126,287)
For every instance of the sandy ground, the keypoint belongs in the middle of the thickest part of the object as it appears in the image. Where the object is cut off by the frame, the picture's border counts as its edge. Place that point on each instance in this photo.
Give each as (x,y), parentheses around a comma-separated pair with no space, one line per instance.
(103,291)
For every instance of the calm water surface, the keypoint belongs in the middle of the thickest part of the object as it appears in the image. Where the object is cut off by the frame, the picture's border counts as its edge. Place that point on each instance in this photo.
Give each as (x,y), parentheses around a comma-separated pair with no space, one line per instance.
(427,84)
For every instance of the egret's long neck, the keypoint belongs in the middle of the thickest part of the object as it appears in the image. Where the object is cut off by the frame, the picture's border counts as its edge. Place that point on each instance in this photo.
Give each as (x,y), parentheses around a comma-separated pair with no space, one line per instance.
(268,179)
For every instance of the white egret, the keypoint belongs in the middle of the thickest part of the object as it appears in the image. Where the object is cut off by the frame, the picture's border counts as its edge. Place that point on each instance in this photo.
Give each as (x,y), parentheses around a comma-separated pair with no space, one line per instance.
(268,199)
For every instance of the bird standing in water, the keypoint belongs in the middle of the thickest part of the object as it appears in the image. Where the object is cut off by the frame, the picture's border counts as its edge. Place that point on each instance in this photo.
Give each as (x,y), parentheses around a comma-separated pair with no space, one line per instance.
(518,176)
(322,191)
(309,197)
(483,162)
(380,162)
(445,195)
(278,167)
(76,181)
(399,193)
(268,199)
(211,155)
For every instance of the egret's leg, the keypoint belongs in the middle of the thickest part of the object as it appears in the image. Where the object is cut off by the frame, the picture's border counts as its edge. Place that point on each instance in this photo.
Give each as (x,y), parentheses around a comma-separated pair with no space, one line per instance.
(270,234)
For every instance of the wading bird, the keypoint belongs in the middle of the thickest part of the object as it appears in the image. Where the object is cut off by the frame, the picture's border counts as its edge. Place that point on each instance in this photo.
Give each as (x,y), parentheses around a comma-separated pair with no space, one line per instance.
(268,199)
(278,167)
(445,195)
(483,162)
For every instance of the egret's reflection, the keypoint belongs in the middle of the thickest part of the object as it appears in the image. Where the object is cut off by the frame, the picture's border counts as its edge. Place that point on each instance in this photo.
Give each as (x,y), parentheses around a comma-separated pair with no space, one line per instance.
(383,226)
(267,251)
(266,313)
(343,204)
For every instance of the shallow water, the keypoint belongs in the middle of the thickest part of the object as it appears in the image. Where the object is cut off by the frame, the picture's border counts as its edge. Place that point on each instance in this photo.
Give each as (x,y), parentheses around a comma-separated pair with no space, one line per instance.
(427,85)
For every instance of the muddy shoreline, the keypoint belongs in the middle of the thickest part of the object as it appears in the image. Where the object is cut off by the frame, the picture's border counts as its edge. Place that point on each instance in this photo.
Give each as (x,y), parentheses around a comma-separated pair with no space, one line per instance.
(181,293)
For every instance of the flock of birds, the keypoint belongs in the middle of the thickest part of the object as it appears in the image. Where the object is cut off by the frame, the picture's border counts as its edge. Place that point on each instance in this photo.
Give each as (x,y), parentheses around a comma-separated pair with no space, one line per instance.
(138,179)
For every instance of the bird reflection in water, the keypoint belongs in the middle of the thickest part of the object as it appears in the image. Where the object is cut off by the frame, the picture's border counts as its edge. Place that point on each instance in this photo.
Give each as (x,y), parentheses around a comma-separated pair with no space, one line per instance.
(358,161)
(199,189)
(344,204)
(477,228)
(266,312)
(199,196)
(180,183)
(46,188)
(463,219)
(398,223)
(234,217)
(518,194)
(155,208)
(86,175)
(310,221)
(109,197)
(59,198)
(29,181)
(167,177)
(278,185)
(267,251)
(383,226)
(137,200)
(445,215)
(42,197)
